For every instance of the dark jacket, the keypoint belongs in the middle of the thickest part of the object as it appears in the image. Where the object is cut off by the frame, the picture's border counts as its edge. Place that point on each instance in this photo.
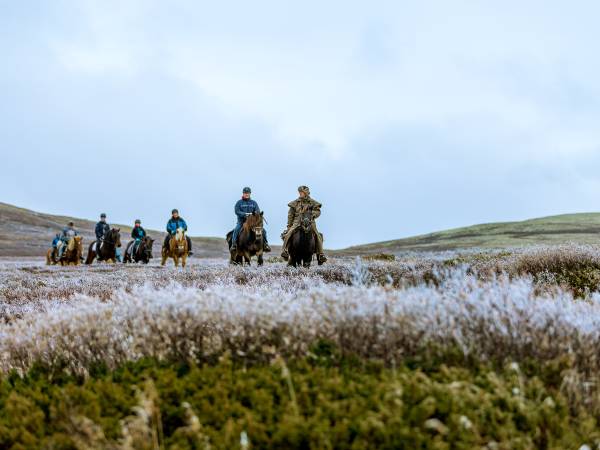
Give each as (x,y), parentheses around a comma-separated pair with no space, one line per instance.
(138,233)
(173,224)
(243,207)
(101,229)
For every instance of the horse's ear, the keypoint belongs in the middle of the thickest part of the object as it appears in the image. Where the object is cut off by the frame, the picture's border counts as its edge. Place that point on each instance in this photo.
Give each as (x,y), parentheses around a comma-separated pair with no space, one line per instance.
(262,213)
(118,230)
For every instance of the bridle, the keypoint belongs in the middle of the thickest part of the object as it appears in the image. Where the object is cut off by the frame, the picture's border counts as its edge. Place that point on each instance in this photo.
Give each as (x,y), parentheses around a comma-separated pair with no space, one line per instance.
(110,233)
(306,221)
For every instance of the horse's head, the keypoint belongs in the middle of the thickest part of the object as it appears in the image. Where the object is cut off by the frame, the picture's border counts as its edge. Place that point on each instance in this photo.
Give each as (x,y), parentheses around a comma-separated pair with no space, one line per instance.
(306,220)
(147,245)
(115,236)
(254,222)
(72,242)
(180,234)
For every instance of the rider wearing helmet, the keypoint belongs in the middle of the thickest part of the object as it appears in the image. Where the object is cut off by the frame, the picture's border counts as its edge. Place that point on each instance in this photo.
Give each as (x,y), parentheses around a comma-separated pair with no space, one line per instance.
(67,233)
(297,207)
(101,229)
(137,233)
(173,224)
(243,208)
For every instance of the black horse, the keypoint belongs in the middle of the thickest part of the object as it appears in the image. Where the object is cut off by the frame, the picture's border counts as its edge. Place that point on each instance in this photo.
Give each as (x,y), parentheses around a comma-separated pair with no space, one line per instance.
(303,244)
(143,252)
(108,249)
(250,241)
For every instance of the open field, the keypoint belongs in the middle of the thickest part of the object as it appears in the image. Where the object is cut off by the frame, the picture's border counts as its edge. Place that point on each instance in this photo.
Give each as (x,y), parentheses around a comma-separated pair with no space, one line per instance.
(477,349)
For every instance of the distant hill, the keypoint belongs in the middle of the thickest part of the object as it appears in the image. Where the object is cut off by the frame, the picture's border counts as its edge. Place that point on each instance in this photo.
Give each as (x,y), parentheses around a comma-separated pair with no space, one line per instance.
(28,233)
(579,228)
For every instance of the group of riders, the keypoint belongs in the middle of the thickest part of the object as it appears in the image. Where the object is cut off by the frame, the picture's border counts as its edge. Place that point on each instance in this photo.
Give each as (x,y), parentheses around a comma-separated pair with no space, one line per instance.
(244,208)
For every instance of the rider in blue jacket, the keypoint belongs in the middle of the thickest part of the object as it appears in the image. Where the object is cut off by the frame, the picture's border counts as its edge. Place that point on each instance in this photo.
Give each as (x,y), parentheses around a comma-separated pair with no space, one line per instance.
(177,222)
(137,233)
(243,208)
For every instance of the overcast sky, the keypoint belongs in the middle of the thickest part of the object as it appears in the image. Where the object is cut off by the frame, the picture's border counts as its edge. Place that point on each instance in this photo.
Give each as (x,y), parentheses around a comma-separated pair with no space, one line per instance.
(402,117)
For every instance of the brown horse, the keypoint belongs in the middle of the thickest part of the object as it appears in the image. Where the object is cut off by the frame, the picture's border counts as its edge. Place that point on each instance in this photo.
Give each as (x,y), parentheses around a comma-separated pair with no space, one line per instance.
(108,250)
(250,241)
(178,249)
(72,254)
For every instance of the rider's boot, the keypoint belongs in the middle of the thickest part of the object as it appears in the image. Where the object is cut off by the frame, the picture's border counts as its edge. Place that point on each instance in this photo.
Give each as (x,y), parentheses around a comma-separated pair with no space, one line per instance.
(266,247)
(285,255)
(233,247)
(321,259)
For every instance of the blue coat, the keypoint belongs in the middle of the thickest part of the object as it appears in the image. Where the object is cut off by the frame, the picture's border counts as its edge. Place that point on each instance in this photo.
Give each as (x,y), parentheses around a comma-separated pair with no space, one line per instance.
(101,229)
(243,207)
(173,224)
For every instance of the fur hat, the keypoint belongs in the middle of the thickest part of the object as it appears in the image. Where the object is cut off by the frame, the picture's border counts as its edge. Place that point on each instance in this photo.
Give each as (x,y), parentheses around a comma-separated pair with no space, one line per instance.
(304,189)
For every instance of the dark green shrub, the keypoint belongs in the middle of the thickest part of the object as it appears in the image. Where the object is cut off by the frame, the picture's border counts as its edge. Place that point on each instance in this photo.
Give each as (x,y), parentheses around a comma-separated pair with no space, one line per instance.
(325,401)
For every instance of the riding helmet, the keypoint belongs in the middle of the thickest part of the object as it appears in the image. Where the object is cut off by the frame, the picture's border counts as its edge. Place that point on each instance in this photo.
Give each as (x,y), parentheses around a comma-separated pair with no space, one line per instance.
(103,216)
(138,221)
(175,211)
(247,190)
(71,224)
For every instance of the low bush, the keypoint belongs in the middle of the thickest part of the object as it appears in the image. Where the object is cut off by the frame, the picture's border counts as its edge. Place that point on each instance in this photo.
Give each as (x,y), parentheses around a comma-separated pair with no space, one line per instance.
(318,402)
(379,257)
(575,269)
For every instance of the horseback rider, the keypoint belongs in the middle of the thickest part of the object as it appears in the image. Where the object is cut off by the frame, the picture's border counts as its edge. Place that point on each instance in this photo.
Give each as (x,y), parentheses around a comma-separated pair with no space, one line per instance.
(173,224)
(101,229)
(137,233)
(67,233)
(297,206)
(243,208)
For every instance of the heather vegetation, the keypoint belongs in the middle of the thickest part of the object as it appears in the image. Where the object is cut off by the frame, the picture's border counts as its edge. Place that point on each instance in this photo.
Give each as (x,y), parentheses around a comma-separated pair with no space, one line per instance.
(478,349)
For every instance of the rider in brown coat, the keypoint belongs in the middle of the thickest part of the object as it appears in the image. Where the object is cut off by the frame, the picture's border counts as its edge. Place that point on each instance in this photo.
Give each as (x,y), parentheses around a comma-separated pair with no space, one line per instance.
(298,206)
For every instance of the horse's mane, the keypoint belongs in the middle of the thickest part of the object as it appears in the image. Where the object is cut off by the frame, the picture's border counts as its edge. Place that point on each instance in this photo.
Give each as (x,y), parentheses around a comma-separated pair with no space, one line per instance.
(253,220)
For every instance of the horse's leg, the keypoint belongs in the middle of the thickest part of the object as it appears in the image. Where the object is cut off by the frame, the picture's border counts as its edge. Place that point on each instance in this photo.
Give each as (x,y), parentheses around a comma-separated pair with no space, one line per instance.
(176,259)
(260,258)
(184,259)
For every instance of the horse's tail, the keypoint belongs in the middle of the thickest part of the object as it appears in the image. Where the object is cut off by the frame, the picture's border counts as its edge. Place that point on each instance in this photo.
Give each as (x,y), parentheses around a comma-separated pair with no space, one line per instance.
(91,255)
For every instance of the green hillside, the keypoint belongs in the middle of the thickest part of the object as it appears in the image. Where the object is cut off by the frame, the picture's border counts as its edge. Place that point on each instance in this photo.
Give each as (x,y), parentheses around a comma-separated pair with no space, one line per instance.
(579,228)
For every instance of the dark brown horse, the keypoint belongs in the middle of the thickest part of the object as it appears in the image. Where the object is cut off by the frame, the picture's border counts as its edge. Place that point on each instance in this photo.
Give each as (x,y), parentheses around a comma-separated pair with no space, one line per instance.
(250,241)
(108,249)
(143,252)
(303,244)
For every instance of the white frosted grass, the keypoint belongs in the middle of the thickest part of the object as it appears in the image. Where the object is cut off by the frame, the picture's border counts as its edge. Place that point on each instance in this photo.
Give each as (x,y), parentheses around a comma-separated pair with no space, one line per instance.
(497,318)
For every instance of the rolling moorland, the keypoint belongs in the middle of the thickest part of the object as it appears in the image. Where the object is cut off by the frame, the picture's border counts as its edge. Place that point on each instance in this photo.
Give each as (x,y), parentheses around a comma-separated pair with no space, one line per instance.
(27,233)
(476,348)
